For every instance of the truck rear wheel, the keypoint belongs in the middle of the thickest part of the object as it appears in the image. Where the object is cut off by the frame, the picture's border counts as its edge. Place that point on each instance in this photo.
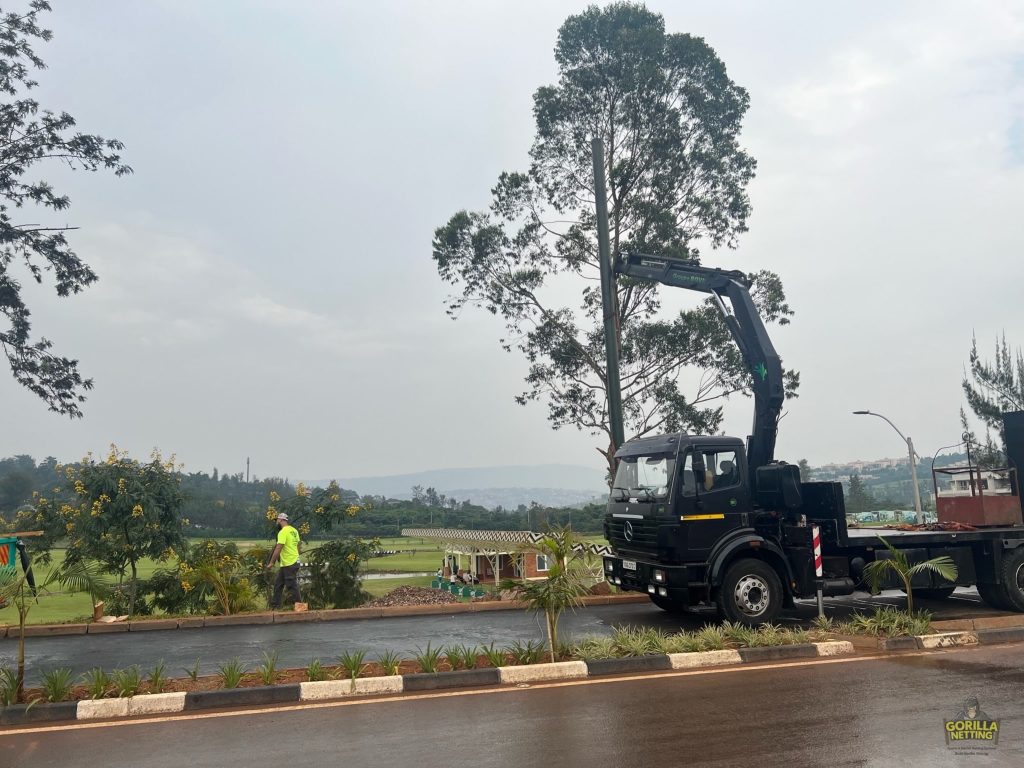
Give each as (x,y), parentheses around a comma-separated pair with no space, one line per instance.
(994,596)
(751,593)
(1013,579)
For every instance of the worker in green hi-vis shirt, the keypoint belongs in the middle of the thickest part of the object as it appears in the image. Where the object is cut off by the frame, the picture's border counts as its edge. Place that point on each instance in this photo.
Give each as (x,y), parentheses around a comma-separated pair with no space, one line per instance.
(287,551)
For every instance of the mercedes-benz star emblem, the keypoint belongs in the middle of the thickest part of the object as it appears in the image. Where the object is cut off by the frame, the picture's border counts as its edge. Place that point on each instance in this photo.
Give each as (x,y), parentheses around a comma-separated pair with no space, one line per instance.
(627,531)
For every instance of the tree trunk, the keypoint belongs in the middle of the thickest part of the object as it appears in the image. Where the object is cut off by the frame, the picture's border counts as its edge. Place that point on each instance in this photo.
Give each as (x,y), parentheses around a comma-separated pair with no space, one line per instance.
(19,694)
(552,634)
(609,456)
(910,596)
(135,587)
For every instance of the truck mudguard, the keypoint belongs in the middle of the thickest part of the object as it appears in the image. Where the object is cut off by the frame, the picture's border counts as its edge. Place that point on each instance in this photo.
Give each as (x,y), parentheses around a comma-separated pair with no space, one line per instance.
(754,543)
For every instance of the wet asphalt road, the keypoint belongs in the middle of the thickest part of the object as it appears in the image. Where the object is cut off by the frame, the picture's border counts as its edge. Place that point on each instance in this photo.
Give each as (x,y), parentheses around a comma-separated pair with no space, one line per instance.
(862,712)
(298,644)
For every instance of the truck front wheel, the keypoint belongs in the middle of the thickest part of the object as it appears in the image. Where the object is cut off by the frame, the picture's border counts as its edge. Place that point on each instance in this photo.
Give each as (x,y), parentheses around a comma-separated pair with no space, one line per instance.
(751,593)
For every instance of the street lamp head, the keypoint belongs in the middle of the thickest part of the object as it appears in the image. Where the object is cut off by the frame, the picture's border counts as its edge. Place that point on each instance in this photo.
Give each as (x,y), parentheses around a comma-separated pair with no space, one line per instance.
(862,413)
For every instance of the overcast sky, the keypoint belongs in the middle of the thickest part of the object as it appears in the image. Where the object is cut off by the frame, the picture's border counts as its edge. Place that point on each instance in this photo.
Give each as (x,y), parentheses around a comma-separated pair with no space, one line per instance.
(266,283)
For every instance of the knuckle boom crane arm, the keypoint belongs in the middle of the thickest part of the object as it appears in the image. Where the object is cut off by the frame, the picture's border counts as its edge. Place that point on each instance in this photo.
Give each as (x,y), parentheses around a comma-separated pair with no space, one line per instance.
(747,329)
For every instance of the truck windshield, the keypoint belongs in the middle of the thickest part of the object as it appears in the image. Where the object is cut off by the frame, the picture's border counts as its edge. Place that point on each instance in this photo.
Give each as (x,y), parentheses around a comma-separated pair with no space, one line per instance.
(645,477)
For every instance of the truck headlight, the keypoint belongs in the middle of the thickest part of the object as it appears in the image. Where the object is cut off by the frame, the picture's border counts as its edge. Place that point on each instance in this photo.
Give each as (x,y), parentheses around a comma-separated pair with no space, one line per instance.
(650,588)
(609,566)
(662,591)
(659,576)
(616,580)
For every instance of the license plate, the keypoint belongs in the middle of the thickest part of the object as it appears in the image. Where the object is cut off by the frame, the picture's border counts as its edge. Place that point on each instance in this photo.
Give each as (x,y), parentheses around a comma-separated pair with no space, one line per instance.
(629,565)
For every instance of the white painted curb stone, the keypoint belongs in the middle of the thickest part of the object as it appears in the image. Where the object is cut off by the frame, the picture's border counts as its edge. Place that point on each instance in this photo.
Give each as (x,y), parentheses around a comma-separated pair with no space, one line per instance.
(834,647)
(946,640)
(156,703)
(338,689)
(704,659)
(561,670)
(92,709)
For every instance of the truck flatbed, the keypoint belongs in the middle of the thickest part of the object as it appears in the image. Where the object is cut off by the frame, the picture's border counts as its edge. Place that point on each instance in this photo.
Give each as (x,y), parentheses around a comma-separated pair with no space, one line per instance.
(862,536)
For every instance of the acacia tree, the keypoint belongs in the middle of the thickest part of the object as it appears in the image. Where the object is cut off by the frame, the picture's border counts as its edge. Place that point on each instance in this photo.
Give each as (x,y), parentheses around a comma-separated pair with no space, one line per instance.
(123,511)
(669,116)
(31,136)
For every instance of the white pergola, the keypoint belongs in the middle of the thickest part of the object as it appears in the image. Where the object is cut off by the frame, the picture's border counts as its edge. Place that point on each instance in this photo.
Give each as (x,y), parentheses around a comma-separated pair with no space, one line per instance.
(488,544)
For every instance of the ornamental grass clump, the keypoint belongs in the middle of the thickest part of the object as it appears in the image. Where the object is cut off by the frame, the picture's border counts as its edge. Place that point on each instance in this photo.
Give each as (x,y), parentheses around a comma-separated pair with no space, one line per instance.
(739,634)
(390,662)
(711,638)
(529,652)
(683,642)
(452,657)
(158,678)
(57,684)
(428,658)
(8,687)
(887,622)
(231,673)
(315,672)
(637,641)
(127,682)
(268,669)
(496,657)
(468,655)
(593,648)
(97,682)
(353,664)
(193,671)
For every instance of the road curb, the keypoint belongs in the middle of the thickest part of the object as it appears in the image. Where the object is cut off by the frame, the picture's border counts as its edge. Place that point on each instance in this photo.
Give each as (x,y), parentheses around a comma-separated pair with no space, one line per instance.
(627,665)
(462,678)
(946,640)
(242,697)
(1004,635)
(535,673)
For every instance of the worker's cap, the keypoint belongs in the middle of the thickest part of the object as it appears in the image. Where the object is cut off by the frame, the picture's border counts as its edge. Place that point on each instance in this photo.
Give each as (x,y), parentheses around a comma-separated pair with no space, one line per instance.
(282,516)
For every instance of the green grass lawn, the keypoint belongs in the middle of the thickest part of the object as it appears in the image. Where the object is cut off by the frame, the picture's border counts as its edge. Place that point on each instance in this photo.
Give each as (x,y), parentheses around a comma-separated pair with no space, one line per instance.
(380,587)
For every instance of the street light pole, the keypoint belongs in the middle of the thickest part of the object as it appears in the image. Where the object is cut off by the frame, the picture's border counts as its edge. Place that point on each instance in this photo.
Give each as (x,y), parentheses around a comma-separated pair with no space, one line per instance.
(913,462)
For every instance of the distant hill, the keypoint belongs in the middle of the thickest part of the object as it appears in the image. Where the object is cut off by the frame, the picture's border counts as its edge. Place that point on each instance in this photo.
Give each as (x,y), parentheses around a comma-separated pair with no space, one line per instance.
(509,486)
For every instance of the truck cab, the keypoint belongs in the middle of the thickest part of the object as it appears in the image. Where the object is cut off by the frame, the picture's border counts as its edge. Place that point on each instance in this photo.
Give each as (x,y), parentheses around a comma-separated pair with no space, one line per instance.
(677,505)
(656,488)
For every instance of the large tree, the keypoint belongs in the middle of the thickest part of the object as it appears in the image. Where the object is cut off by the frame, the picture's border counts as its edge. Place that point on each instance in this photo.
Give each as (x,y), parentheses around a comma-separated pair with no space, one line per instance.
(669,116)
(30,137)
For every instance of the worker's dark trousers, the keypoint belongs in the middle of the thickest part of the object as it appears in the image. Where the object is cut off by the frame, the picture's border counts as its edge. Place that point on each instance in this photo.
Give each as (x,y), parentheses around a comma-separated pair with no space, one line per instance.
(287,576)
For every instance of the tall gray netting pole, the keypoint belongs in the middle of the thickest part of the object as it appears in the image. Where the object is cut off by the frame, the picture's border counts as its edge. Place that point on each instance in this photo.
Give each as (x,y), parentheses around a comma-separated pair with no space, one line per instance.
(607,297)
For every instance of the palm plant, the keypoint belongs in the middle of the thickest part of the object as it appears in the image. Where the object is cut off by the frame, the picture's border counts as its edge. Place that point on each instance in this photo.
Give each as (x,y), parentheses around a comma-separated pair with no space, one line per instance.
(566,581)
(76,576)
(898,563)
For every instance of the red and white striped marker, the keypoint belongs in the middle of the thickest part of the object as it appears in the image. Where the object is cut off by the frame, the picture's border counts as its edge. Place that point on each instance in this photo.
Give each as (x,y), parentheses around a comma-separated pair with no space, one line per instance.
(816,542)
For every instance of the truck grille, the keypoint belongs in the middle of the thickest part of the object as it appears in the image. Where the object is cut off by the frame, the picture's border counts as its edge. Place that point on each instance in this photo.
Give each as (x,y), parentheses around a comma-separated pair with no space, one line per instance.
(644,536)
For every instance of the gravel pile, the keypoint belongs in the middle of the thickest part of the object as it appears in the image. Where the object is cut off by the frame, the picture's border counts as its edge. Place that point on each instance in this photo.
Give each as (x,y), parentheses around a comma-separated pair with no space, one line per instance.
(412,596)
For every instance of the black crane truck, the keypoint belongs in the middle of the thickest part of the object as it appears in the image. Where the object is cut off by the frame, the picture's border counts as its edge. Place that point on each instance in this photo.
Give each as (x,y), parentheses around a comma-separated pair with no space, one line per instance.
(708,521)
